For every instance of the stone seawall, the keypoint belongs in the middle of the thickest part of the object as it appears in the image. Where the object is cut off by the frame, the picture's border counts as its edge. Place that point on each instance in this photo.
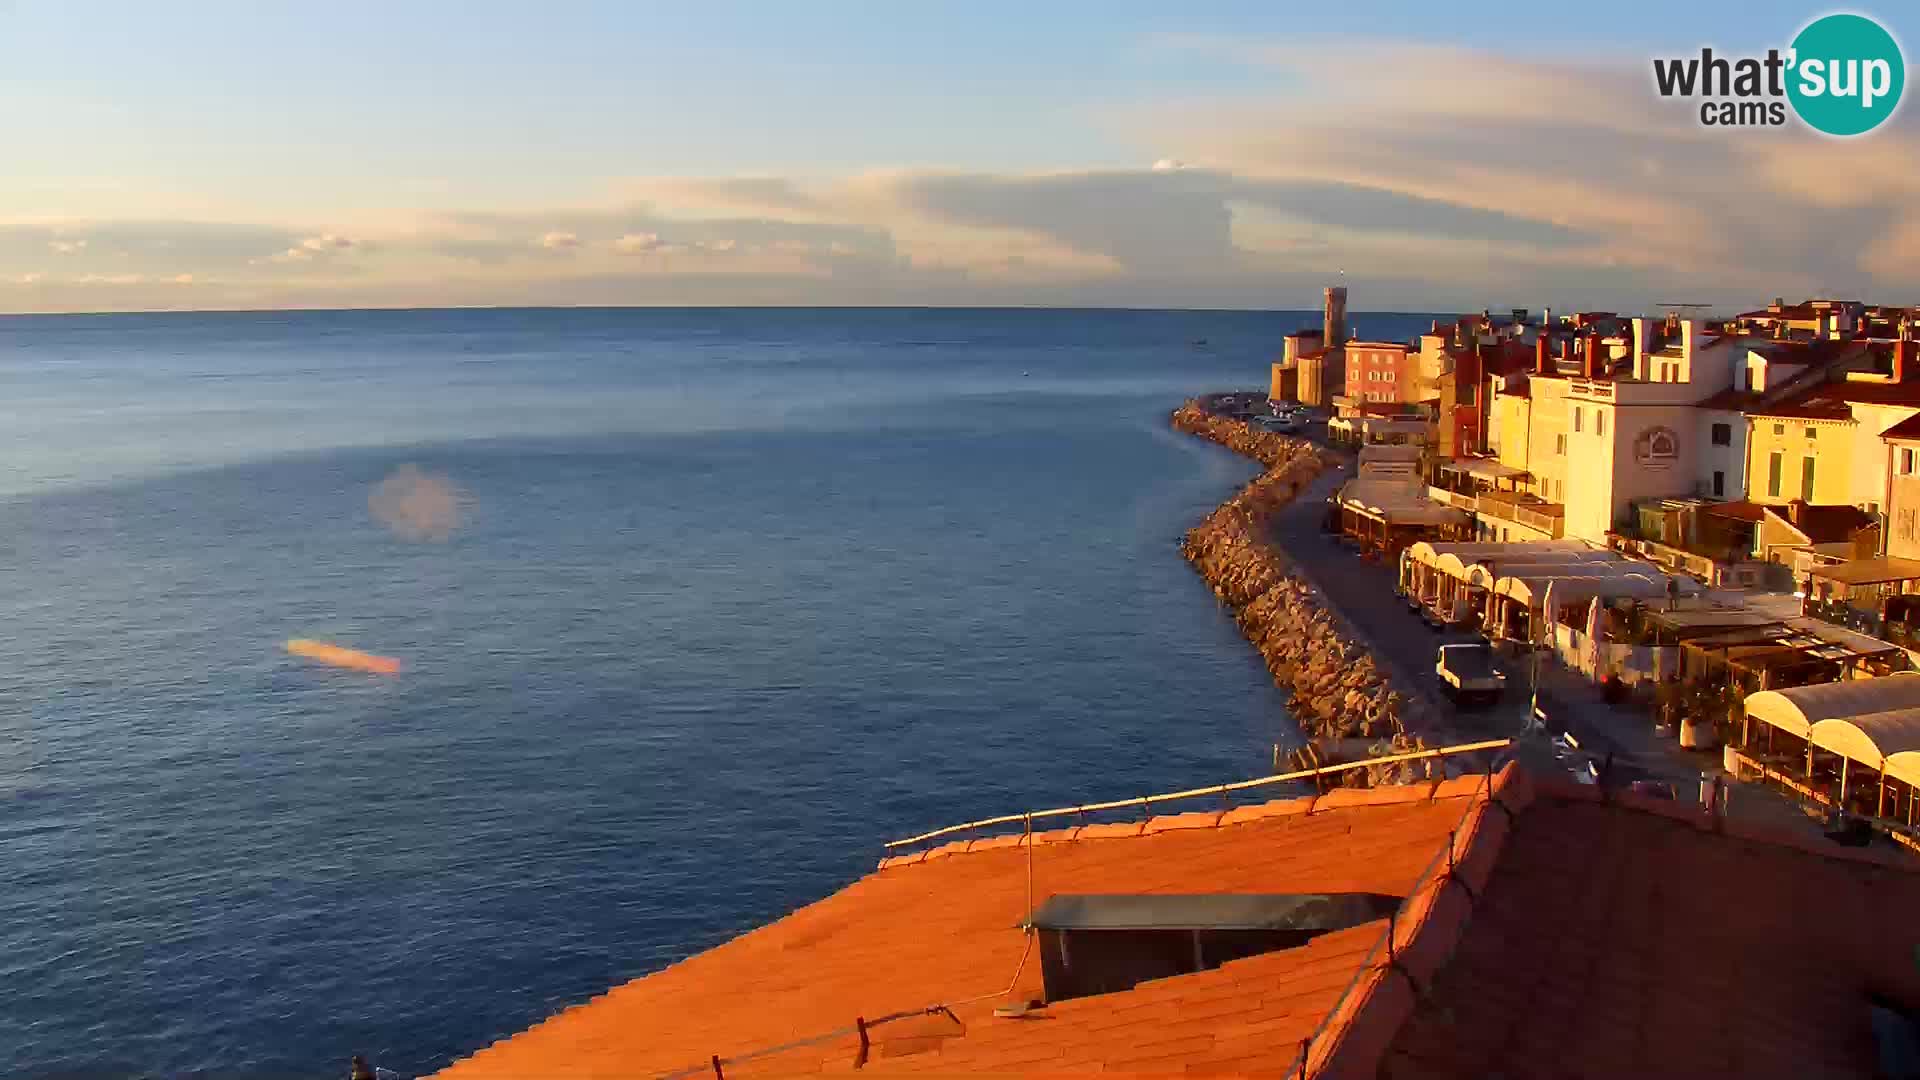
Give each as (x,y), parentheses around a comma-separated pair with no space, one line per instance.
(1346,704)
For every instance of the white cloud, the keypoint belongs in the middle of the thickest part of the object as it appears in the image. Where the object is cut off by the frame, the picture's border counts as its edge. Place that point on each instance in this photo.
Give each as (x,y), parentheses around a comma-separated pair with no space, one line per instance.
(560,241)
(67,247)
(637,243)
(326,243)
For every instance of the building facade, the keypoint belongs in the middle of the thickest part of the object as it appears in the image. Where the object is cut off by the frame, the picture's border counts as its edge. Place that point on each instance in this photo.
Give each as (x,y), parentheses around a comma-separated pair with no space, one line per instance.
(1382,371)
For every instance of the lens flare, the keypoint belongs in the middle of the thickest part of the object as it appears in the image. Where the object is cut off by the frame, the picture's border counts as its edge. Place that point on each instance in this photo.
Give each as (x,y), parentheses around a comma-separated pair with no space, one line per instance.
(339,656)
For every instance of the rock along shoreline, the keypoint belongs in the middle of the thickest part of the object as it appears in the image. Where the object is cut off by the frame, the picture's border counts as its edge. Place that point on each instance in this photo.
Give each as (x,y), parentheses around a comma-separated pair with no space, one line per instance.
(1347,705)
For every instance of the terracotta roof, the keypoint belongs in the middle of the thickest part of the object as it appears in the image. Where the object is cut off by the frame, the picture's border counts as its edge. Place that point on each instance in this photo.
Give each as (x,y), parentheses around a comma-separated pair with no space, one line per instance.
(1740,510)
(1905,429)
(1550,934)
(1830,400)
(1662,942)
(920,932)
(1823,523)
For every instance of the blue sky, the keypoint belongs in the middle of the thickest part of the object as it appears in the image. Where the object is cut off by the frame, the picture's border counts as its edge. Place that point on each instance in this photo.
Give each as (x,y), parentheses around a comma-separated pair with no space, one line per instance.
(269,154)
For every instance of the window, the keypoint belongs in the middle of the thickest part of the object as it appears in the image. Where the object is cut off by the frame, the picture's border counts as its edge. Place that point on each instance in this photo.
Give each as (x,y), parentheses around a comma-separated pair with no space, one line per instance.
(1576,418)
(1779,429)
(1723,434)
(1910,524)
(1806,478)
(1813,433)
(1560,444)
(1773,474)
(1599,422)
(1719,484)
(1906,462)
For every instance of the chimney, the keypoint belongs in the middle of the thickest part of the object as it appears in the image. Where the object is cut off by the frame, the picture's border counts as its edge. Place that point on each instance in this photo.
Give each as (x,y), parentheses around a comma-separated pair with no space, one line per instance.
(1546,318)
(1689,330)
(1542,365)
(1902,357)
(1642,345)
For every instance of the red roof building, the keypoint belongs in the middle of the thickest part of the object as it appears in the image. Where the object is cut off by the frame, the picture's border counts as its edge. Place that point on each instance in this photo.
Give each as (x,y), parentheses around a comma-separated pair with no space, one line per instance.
(1537,928)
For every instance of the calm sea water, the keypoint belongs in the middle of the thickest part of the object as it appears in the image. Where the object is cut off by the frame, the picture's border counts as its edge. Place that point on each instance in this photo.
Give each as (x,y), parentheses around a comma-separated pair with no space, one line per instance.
(736,595)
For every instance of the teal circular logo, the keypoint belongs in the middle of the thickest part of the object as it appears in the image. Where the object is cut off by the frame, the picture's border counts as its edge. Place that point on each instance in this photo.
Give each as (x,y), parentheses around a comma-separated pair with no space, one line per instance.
(1847,74)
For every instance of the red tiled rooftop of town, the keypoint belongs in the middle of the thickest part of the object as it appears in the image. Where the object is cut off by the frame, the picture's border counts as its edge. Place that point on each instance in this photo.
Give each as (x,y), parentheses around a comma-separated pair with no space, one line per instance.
(1829,400)
(1545,933)
(1905,429)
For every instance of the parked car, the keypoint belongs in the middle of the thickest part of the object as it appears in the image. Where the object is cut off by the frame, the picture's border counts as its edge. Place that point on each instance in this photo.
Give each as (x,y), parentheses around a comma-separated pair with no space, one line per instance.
(1467,673)
(1279,423)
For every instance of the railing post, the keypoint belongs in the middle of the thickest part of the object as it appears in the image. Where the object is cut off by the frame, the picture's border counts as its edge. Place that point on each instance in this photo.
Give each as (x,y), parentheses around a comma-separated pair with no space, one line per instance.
(717,1074)
(860,1060)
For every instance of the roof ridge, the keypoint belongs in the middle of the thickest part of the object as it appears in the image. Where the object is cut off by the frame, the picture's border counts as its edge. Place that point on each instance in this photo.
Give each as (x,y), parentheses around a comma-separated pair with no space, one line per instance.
(1425,791)
(1433,919)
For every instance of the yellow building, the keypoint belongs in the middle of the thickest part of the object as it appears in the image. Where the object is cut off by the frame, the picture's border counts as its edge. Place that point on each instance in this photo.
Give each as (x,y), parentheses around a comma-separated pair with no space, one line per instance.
(1800,457)
(1825,445)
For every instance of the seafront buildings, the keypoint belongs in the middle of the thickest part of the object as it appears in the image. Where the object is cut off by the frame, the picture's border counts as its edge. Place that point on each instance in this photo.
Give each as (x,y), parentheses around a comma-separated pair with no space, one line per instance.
(1681,508)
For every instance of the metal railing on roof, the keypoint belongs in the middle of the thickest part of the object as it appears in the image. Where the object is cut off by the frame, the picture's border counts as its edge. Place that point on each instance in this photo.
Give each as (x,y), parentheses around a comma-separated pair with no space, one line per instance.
(1148,801)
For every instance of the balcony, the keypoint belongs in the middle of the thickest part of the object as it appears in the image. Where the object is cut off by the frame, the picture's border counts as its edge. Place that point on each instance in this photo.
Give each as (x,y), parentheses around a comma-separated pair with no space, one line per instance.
(1458,499)
(1527,510)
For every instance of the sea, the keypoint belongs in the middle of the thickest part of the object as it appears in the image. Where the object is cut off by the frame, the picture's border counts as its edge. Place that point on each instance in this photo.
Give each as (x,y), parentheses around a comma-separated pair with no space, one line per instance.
(693,610)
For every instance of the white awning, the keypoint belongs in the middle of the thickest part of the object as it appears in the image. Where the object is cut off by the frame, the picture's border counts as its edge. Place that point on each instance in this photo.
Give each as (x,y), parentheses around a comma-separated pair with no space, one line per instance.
(1484,468)
(1871,739)
(1634,582)
(1795,710)
(1487,574)
(1518,555)
(1429,552)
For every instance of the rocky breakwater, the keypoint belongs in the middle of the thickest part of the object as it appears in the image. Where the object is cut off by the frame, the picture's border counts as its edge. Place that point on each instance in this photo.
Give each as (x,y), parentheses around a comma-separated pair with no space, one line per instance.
(1345,702)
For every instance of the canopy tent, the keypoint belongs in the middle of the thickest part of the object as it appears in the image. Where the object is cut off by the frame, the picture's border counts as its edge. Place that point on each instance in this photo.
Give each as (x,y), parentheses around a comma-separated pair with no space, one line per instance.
(1486,469)
(1461,567)
(1886,742)
(1637,581)
(1488,575)
(1869,571)
(1398,502)
(1796,709)
(1429,553)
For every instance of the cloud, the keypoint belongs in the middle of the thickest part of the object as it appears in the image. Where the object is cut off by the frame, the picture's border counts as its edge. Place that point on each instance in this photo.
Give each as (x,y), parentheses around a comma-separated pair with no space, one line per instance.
(637,244)
(1437,178)
(773,195)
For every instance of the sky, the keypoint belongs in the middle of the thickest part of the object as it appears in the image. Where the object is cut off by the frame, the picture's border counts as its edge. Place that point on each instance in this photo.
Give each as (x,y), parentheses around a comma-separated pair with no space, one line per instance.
(230,154)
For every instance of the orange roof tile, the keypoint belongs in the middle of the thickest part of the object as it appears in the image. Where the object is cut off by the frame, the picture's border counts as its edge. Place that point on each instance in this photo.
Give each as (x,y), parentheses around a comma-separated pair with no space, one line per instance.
(944,929)
(1636,939)
(1545,932)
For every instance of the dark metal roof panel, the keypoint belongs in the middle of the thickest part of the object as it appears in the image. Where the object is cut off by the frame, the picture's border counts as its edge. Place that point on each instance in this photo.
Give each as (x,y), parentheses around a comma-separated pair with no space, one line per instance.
(1211,911)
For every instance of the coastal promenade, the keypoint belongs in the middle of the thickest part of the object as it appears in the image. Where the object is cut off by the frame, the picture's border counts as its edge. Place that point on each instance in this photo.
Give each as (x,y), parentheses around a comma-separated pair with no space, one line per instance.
(1360,596)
